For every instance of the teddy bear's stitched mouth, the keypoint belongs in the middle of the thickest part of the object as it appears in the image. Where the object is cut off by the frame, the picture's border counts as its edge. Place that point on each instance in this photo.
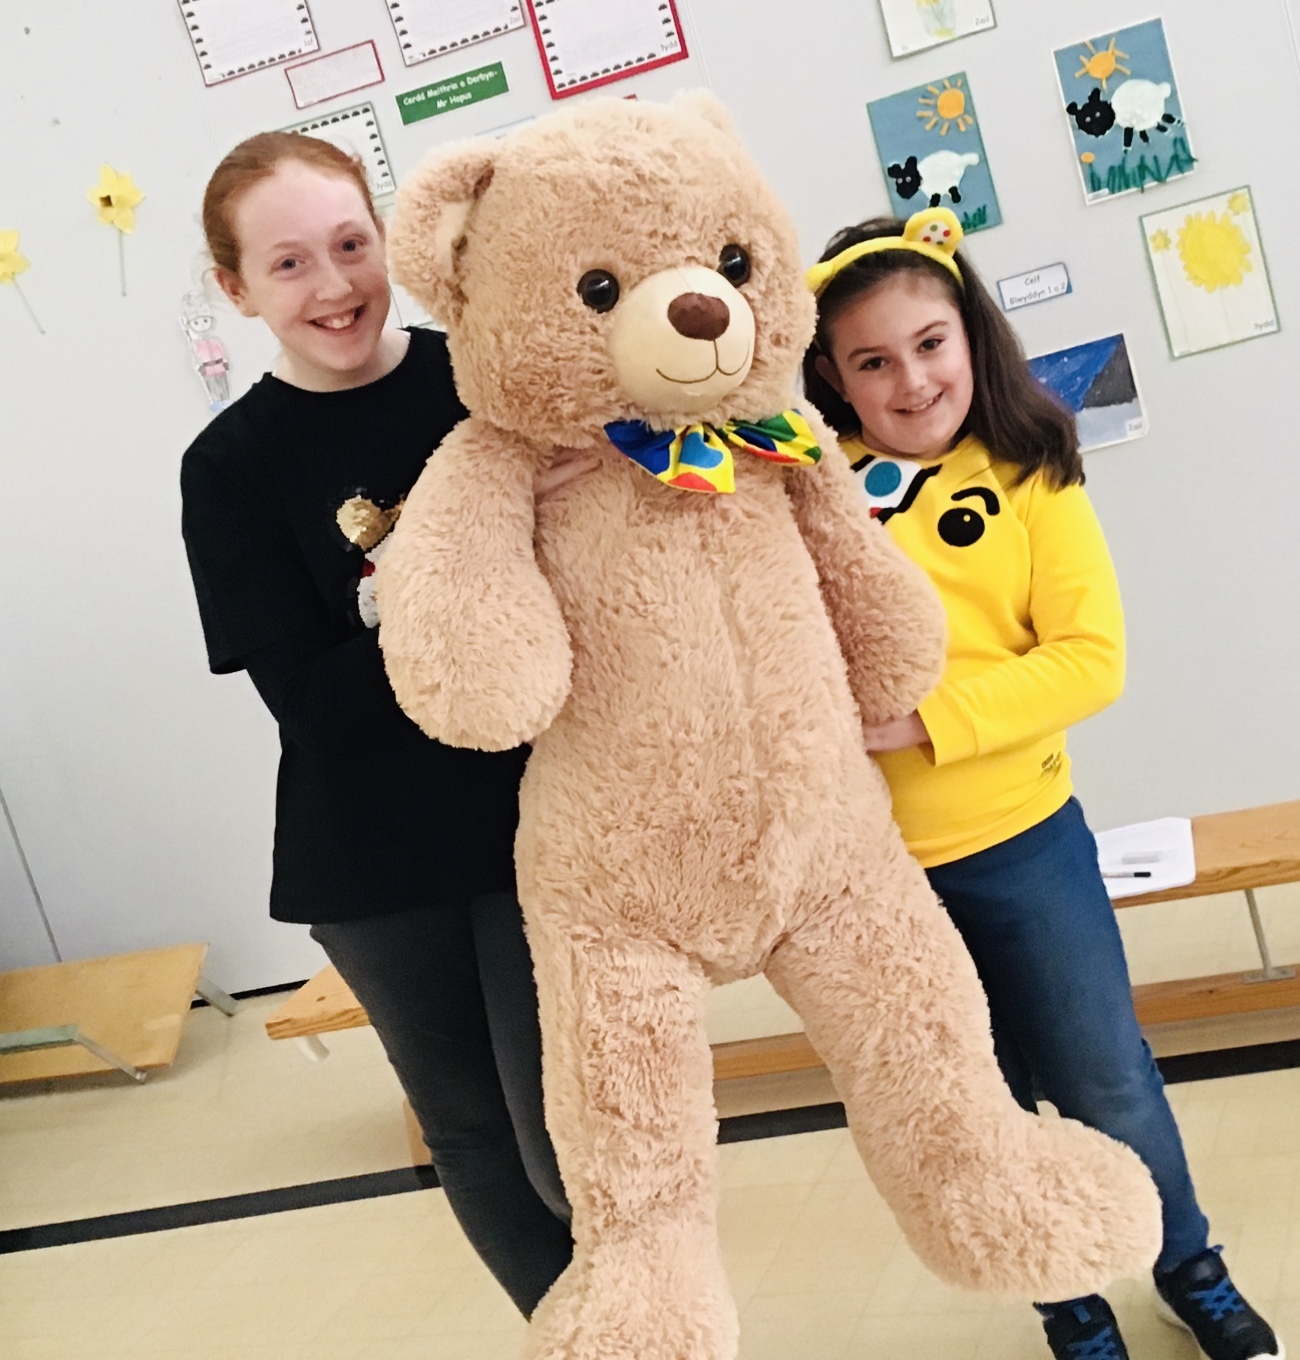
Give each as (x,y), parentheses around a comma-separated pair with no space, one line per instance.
(717,368)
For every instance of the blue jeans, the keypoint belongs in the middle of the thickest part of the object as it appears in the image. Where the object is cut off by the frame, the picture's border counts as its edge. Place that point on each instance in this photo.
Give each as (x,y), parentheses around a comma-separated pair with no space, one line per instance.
(1036,918)
(452,997)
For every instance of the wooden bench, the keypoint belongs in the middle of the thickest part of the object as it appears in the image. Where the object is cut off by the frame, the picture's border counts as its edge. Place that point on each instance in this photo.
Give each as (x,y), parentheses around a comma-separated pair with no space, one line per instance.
(1235,852)
(325,1004)
(125,1011)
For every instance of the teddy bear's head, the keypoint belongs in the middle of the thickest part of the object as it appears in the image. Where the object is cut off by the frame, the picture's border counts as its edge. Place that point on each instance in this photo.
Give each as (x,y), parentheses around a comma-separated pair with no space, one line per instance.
(620,260)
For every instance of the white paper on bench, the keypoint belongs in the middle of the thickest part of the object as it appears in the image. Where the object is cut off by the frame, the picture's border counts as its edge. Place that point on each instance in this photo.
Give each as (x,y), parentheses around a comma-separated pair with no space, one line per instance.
(1162,848)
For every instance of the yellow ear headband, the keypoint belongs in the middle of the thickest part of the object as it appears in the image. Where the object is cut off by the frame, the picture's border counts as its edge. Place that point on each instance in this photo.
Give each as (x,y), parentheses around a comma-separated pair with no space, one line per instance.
(935,233)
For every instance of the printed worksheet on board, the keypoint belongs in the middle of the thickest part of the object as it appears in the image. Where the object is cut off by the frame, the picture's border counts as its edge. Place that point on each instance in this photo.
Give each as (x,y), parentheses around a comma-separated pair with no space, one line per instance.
(585,43)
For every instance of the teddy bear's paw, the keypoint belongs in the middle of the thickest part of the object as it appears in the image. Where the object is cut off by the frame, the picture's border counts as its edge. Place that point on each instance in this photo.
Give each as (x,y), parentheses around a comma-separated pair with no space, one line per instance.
(629,1303)
(487,717)
(1057,1212)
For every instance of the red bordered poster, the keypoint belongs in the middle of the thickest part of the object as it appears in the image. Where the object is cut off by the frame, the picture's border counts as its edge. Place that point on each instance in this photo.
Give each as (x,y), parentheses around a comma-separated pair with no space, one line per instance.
(236,37)
(335,74)
(585,43)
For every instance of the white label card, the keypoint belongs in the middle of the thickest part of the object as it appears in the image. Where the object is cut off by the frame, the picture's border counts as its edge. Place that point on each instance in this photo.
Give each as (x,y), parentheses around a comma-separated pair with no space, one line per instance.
(1038,285)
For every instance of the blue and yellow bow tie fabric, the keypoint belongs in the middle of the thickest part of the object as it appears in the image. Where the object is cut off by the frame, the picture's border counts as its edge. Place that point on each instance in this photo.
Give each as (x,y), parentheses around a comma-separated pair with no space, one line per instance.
(699,457)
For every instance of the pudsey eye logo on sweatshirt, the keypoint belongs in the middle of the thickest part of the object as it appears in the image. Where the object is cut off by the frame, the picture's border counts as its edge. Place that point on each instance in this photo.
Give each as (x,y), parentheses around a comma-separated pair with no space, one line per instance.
(891,485)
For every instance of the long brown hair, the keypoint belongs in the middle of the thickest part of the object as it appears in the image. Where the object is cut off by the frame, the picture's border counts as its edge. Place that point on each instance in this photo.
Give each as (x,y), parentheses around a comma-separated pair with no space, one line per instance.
(255,159)
(1010,412)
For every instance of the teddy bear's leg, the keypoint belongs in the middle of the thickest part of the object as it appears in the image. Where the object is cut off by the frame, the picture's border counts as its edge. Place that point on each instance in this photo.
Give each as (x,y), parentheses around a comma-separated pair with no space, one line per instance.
(628,1079)
(989,1196)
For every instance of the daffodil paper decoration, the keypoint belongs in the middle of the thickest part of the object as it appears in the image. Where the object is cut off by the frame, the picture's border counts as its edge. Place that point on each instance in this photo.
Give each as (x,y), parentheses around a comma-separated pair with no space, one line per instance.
(116,198)
(11,265)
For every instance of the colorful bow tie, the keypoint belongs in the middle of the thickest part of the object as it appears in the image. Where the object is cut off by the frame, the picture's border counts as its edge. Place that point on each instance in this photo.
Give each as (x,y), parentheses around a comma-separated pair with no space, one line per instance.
(698,457)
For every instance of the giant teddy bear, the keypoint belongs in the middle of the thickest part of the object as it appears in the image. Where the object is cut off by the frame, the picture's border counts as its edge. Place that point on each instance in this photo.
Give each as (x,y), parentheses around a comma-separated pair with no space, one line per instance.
(691,625)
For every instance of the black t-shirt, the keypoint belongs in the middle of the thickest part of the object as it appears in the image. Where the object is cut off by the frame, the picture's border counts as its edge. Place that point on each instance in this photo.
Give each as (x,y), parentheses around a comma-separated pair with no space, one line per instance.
(371,816)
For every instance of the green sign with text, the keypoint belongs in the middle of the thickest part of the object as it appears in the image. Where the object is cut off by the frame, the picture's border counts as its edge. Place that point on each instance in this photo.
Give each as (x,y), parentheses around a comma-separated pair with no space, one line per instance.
(454,92)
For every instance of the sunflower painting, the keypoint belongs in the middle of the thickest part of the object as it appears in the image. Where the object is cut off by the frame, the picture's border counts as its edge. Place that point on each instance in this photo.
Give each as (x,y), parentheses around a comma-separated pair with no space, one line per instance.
(1209,270)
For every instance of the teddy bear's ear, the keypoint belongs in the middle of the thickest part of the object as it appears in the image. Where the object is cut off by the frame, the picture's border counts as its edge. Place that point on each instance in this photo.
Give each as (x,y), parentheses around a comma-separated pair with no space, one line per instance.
(706,105)
(429,225)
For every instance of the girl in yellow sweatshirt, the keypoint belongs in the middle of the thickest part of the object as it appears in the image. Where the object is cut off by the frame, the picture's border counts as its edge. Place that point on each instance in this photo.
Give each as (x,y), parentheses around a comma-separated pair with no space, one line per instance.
(975,472)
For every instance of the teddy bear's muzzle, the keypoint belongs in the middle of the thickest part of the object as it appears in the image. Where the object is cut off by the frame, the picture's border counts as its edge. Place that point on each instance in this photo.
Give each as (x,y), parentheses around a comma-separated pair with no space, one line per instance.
(682,339)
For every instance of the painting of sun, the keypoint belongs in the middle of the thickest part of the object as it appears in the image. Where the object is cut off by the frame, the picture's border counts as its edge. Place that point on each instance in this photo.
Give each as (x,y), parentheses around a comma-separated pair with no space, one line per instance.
(1209,269)
(1101,64)
(946,107)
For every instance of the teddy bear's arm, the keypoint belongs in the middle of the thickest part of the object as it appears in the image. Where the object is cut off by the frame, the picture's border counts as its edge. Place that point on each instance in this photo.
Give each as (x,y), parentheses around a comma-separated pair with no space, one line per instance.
(889,619)
(474,642)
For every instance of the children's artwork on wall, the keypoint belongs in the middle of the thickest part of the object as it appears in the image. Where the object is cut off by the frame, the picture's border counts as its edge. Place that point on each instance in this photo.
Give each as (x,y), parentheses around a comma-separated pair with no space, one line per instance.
(207,353)
(115,199)
(1126,119)
(1095,381)
(586,43)
(914,25)
(1210,274)
(932,153)
(335,74)
(432,28)
(234,37)
(13,263)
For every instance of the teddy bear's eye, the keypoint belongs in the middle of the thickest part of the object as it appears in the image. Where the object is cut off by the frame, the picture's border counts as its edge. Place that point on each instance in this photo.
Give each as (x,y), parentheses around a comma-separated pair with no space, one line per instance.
(733,264)
(598,289)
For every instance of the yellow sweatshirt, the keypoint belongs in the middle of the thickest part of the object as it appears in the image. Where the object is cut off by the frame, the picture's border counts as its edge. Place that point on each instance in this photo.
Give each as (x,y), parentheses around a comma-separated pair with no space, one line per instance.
(1036,642)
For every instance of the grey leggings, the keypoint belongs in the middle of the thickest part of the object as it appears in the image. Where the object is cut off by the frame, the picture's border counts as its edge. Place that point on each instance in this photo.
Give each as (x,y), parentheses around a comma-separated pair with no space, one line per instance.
(451,994)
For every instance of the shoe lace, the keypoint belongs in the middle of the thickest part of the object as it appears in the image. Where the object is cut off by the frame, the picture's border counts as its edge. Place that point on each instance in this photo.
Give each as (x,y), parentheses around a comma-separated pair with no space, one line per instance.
(1103,1346)
(1220,1301)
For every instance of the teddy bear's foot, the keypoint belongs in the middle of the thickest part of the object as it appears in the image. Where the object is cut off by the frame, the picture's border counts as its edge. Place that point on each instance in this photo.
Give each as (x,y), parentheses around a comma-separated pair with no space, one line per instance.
(1053,1211)
(630,1301)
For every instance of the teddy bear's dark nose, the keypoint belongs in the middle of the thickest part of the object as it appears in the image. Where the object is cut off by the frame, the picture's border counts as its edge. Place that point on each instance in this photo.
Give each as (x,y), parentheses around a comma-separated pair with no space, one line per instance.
(698,316)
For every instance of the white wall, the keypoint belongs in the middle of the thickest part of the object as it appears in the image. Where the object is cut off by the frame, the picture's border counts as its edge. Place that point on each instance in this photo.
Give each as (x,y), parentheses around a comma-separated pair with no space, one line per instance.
(24,940)
(142,788)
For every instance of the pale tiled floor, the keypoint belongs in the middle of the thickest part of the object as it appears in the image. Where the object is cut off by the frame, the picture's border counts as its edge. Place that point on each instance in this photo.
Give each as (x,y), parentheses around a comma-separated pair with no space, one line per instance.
(818,1267)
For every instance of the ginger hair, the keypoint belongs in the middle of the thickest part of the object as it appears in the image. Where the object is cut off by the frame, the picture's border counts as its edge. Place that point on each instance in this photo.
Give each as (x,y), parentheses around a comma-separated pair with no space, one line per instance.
(254,160)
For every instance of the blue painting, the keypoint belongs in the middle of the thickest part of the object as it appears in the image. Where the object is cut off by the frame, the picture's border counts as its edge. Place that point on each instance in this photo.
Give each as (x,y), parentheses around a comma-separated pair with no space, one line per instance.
(1095,382)
(932,153)
(1119,93)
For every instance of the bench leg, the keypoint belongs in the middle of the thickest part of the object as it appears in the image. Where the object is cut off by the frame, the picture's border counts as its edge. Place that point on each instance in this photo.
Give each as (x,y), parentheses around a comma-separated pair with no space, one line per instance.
(311,1045)
(65,1036)
(214,996)
(105,1056)
(1269,973)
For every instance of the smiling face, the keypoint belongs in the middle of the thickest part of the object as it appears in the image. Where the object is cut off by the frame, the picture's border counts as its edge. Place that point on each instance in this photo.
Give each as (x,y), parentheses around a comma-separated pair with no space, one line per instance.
(900,357)
(311,265)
